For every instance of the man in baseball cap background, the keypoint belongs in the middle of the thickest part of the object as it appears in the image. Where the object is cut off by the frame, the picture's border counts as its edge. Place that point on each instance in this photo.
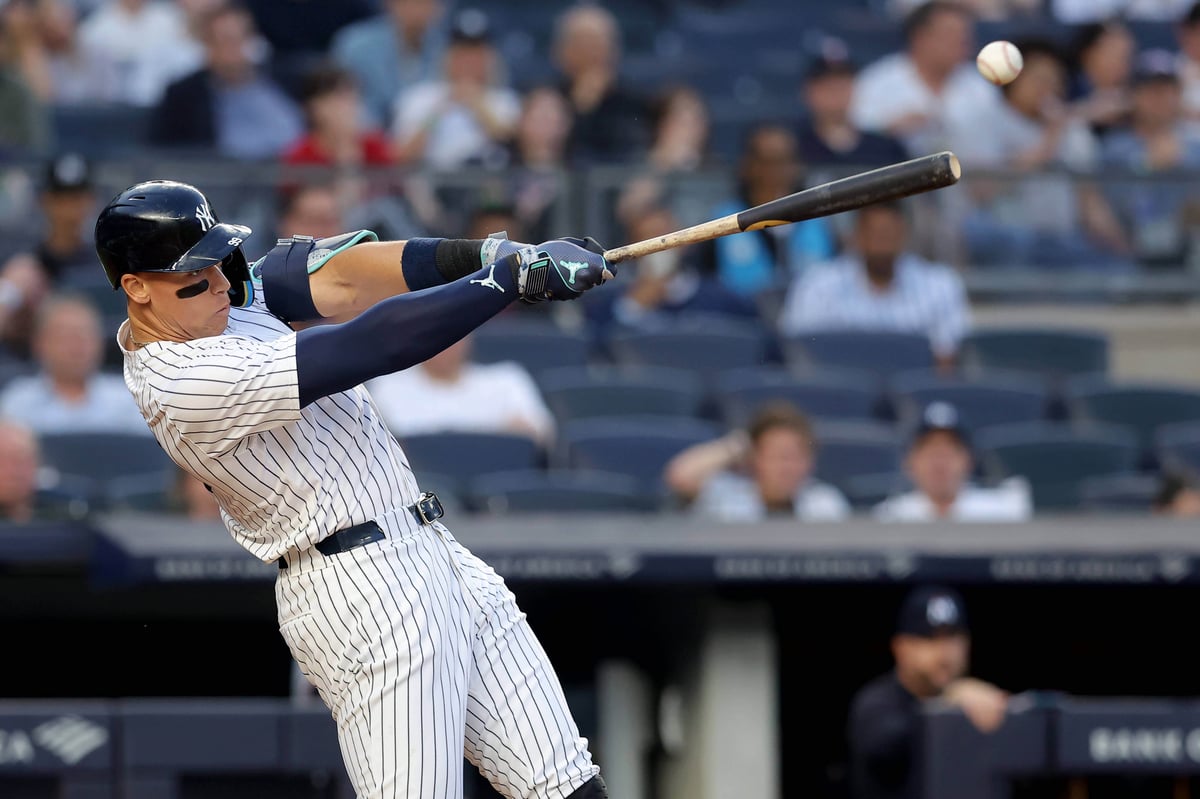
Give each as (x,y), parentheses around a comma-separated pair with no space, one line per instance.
(939,463)
(931,647)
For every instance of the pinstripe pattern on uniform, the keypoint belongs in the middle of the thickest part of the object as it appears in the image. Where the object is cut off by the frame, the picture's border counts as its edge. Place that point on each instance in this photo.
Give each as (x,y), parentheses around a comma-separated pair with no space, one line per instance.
(226,409)
(924,298)
(422,648)
(415,645)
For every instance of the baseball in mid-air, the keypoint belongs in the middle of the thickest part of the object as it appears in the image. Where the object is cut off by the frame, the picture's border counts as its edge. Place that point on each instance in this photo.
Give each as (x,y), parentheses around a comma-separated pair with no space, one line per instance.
(1000,62)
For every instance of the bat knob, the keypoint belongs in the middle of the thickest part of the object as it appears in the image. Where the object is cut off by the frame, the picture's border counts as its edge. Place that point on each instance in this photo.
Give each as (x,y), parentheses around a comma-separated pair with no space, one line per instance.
(607,275)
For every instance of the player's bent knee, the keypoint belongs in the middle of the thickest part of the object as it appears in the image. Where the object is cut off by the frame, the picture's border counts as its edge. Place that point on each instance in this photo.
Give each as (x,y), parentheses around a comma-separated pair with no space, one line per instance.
(592,789)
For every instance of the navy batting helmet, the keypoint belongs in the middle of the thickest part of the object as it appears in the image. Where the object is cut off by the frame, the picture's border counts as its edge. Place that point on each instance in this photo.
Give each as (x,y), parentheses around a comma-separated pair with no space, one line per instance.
(164,226)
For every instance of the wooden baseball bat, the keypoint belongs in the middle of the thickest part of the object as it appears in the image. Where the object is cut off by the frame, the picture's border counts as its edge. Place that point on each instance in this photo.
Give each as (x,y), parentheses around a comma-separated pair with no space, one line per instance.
(879,185)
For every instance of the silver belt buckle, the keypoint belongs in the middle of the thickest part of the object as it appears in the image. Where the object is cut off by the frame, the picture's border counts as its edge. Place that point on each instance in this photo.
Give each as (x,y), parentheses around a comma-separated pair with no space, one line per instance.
(429,508)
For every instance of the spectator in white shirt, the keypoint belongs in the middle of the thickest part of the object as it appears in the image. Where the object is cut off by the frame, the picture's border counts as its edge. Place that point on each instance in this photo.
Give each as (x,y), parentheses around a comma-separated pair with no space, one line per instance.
(461,117)
(763,472)
(69,394)
(449,393)
(912,95)
(80,74)
(939,463)
(1075,12)
(878,285)
(149,42)
(1035,218)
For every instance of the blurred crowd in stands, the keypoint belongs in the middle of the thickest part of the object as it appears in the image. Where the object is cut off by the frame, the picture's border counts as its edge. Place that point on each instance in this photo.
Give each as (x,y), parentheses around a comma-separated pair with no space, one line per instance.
(816,370)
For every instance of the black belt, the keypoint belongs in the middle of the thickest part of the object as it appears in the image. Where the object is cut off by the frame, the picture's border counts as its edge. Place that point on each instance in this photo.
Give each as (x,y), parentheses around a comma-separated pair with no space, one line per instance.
(425,510)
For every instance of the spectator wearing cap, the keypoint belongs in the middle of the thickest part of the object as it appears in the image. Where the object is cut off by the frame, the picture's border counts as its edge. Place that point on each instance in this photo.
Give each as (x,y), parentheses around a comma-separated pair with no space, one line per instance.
(879,285)
(64,257)
(1188,36)
(763,472)
(69,394)
(609,121)
(397,49)
(229,105)
(461,117)
(828,136)
(939,464)
(1158,215)
(914,94)
(931,648)
(1039,217)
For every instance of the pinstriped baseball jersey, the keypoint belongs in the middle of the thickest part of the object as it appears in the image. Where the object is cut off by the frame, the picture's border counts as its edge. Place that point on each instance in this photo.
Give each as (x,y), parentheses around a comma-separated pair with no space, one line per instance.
(416,646)
(227,410)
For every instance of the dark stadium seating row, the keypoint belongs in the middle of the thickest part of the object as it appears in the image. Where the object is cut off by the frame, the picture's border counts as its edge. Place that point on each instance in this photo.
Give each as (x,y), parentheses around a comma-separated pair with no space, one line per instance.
(709,346)
(614,462)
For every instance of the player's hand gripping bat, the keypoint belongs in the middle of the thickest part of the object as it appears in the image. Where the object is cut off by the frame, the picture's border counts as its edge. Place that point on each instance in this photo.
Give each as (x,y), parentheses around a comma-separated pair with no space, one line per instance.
(879,185)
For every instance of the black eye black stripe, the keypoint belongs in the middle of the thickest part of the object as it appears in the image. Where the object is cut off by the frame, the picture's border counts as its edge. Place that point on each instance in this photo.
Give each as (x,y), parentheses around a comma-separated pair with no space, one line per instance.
(194,290)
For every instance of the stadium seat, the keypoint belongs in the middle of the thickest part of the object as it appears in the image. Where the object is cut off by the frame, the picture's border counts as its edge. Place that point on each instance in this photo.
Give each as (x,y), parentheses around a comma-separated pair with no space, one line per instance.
(705,346)
(140,494)
(1049,353)
(866,491)
(582,393)
(105,457)
(1056,458)
(12,368)
(462,457)
(580,491)
(1130,493)
(536,345)
(989,399)
(1143,408)
(1178,446)
(848,450)
(881,354)
(825,395)
(635,446)
(100,131)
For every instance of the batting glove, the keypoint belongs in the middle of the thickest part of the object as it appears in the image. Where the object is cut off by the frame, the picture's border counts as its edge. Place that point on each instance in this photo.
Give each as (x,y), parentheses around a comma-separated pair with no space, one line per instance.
(561,269)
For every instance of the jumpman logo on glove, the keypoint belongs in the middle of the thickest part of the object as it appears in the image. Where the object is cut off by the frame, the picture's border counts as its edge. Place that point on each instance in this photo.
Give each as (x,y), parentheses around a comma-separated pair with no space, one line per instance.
(490,280)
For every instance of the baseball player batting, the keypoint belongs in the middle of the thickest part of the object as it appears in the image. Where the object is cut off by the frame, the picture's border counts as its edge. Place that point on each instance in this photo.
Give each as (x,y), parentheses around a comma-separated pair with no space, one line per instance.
(250,377)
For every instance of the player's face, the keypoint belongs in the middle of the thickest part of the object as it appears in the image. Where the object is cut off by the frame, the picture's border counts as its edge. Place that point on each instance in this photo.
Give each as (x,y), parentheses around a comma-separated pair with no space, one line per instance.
(931,664)
(782,461)
(201,311)
(939,465)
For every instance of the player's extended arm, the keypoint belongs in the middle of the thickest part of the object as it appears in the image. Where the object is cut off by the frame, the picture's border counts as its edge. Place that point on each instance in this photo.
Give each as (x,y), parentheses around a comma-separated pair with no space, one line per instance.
(403,331)
(330,281)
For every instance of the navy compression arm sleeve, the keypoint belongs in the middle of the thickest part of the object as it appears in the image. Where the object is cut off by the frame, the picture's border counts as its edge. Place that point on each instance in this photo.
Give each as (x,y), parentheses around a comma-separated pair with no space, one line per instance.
(398,332)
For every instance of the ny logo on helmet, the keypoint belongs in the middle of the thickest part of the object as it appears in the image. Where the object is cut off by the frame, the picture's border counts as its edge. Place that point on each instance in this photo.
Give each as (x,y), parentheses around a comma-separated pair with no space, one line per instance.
(205,217)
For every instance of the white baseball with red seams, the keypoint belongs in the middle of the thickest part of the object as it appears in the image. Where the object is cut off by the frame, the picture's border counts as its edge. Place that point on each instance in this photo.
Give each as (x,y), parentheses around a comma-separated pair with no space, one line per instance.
(999,62)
